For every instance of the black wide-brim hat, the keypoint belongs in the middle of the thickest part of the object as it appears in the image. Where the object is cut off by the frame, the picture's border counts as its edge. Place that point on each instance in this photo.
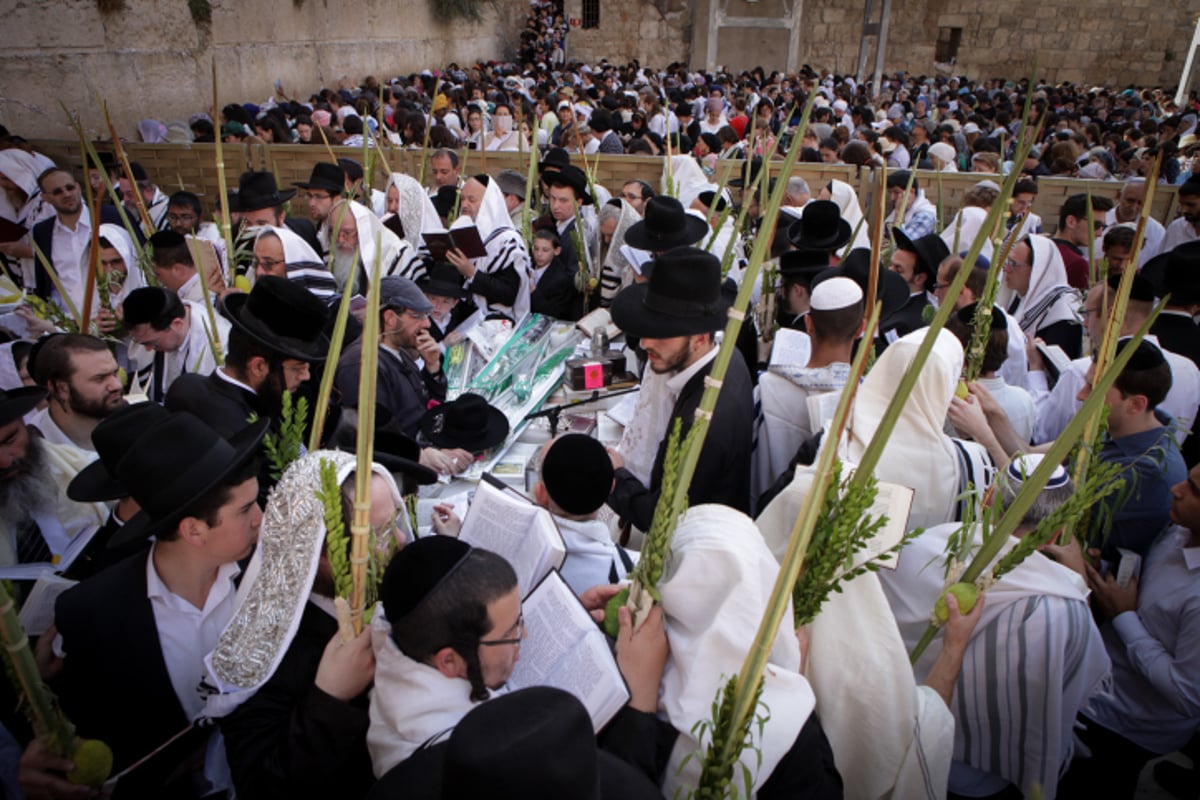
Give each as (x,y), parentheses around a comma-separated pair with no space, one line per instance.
(112,438)
(891,289)
(682,297)
(16,403)
(820,227)
(467,422)
(666,225)
(931,249)
(174,464)
(326,177)
(572,177)
(281,315)
(258,190)
(1180,274)
(443,280)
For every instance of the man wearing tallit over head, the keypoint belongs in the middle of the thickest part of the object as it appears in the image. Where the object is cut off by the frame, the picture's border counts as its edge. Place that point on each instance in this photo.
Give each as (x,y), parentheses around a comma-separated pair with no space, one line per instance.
(615,272)
(499,281)
(411,204)
(715,589)
(1035,291)
(891,737)
(354,228)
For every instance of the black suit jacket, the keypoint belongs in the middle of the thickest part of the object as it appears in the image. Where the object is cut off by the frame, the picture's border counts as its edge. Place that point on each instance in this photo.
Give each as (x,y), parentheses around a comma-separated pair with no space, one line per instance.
(43,238)
(555,294)
(908,317)
(306,231)
(114,684)
(222,406)
(723,472)
(1179,335)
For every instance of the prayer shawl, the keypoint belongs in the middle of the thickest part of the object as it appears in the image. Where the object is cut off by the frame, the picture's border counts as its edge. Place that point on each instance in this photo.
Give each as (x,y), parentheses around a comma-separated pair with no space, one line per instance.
(683,179)
(891,737)
(303,264)
(946,465)
(413,705)
(10,378)
(966,225)
(846,198)
(378,244)
(119,238)
(615,272)
(715,590)
(155,372)
(278,582)
(1050,298)
(593,557)
(416,211)
(505,251)
(1033,661)
(23,169)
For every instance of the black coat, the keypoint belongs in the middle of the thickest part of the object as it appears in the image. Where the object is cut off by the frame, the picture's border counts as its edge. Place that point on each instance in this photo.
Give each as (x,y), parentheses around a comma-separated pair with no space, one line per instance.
(224,407)
(403,392)
(292,740)
(1179,334)
(555,294)
(908,317)
(723,472)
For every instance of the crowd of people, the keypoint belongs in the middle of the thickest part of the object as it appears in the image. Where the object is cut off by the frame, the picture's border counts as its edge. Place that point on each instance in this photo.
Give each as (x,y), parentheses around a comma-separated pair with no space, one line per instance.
(132,454)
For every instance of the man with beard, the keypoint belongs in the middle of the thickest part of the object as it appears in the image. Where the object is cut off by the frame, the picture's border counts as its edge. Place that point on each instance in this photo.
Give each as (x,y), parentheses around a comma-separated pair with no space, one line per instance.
(276,332)
(675,315)
(84,384)
(1184,229)
(358,237)
(37,521)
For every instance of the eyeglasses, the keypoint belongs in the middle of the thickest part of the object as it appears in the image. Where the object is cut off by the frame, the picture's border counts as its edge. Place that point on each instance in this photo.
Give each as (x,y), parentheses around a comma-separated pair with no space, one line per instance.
(267,263)
(317,196)
(520,626)
(181,217)
(70,187)
(416,314)
(1010,264)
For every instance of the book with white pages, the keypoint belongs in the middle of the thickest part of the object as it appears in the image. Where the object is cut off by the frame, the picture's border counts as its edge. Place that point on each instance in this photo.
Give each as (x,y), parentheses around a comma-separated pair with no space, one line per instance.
(791,347)
(637,259)
(895,502)
(508,523)
(564,648)
(1056,359)
(598,319)
(37,612)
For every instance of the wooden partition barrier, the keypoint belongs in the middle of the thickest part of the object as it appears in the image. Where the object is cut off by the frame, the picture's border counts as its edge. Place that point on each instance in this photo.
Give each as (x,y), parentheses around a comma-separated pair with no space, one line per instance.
(193,166)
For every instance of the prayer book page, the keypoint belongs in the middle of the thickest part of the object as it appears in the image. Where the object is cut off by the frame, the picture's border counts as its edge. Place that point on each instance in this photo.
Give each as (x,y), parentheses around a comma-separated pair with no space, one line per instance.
(37,613)
(895,502)
(791,347)
(506,522)
(567,650)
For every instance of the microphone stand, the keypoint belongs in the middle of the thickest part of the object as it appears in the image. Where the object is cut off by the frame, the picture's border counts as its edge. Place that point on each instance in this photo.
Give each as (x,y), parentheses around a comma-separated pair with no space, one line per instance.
(552,413)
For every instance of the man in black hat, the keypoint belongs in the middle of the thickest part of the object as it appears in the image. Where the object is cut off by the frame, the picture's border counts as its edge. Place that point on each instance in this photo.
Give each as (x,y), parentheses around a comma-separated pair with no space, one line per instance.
(664,226)
(145,624)
(37,520)
(276,333)
(1175,327)
(676,315)
(443,287)
(797,268)
(566,194)
(917,262)
(259,202)
(324,187)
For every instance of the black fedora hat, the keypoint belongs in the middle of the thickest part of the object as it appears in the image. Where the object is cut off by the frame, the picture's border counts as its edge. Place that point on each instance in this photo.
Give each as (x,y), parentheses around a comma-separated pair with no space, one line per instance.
(282,315)
(443,280)
(172,465)
(112,439)
(326,177)
(803,265)
(931,250)
(571,177)
(1181,275)
(467,422)
(258,190)
(499,750)
(682,297)
(555,159)
(665,225)
(16,403)
(891,288)
(820,227)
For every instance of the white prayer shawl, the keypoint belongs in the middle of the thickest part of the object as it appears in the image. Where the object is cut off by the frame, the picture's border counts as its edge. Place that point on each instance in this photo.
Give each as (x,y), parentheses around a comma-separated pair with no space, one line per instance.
(416,212)
(1050,298)
(715,590)
(615,272)
(685,180)
(846,198)
(945,465)
(785,424)
(591,554)
(1033,660)
(412,704)
(378,244)
(10,378)
(891,738)
(1015,369)
(966,225)
(505,249)
(641,437)
(119,238)
(23,169)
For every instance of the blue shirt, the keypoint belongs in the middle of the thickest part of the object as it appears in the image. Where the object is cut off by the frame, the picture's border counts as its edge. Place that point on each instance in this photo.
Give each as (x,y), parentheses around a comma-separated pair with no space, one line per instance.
(1152,465)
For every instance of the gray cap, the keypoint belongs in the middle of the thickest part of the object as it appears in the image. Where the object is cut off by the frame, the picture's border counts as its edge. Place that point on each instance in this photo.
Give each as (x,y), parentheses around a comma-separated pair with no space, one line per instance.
(511,182)
(397,292)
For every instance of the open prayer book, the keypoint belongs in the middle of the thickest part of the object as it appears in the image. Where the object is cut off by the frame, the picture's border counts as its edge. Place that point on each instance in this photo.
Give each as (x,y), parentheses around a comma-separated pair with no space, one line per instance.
(466,239)
(895,502)
(567,650)
(508,523)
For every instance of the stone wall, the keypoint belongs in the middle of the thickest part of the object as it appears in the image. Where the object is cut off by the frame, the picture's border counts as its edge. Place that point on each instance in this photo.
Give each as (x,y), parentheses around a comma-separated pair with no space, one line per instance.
(654,33)
(151,59)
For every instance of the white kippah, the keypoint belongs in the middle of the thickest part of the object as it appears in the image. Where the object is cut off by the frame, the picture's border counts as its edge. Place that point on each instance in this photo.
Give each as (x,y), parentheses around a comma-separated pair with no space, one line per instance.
(834,294)
(1021,467)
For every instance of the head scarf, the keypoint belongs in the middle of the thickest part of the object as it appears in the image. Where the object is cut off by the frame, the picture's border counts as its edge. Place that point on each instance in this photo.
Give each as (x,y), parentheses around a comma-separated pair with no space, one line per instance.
(279,578)
(296,251)
(715,591)
(119,238)
(615,272)
(492,214)
(416,211)
(152,131)
(965,225)
(1050,298)
(10,377)
(375,242)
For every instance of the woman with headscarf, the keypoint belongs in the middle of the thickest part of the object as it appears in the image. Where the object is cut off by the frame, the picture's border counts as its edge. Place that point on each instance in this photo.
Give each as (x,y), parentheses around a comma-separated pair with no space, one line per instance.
(1036,291)
(151,131)
(846,198)
(715,590)
(407,200)
(960,232)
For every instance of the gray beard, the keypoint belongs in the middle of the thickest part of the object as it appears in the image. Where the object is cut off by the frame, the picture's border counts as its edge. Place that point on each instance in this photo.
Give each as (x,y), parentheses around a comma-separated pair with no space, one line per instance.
(31,490)
(342,266)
